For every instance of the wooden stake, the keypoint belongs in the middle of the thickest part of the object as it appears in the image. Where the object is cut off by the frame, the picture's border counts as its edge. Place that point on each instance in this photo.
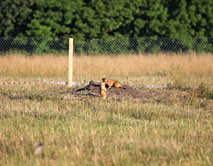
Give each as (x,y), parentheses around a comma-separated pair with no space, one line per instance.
(70,66)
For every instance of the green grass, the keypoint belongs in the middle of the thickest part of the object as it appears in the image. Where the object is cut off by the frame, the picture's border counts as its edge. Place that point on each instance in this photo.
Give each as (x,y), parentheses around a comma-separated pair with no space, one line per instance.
(172,127)
(92,131)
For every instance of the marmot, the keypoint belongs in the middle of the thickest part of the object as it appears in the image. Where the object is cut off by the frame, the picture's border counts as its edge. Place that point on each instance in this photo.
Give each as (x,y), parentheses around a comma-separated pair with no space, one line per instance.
(112,83)
(103,90)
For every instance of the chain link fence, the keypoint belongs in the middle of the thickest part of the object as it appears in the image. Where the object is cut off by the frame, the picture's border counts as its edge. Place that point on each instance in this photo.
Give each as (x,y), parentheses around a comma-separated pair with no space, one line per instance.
(113,46)
(33,45)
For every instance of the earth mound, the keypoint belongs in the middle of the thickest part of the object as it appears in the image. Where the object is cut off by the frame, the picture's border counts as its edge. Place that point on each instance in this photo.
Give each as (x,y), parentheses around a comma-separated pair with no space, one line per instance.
(93,89)
(145,94)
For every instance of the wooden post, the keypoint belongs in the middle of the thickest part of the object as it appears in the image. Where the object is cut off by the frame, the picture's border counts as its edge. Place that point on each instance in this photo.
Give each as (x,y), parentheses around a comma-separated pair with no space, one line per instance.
(70,66)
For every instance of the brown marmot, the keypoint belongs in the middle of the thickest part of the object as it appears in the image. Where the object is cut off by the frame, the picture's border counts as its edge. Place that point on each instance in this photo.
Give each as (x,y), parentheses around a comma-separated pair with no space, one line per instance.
(103,90)
(112,83)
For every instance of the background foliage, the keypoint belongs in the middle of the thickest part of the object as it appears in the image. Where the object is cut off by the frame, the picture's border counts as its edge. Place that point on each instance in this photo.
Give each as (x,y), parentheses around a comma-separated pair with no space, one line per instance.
(179,20)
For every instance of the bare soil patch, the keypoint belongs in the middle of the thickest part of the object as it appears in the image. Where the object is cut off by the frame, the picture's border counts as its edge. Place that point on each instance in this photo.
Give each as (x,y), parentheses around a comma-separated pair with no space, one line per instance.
(93,89)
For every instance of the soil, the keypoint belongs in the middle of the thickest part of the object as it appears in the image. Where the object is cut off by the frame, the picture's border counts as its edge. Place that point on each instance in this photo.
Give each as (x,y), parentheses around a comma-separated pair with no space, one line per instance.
(93,89)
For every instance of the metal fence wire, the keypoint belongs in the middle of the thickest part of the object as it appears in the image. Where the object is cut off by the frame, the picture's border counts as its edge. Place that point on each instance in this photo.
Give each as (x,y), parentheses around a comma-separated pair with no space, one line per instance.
(112,46)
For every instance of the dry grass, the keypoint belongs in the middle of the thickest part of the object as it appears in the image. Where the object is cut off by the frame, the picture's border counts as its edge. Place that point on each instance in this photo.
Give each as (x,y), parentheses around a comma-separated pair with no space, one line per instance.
(96,132)
(142,65)
(143,69)
(134,65)
(33,66)
(90,131)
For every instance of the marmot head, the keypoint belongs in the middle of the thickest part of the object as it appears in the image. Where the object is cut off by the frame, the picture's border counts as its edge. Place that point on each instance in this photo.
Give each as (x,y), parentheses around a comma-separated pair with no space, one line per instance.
(104,79)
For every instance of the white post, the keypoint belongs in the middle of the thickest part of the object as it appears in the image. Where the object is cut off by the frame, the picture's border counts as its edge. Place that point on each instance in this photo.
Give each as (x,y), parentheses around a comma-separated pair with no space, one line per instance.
(70,66)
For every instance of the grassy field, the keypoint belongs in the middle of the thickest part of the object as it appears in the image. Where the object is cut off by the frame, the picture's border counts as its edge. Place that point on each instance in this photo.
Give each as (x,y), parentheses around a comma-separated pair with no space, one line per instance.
(118,131)
(143,69)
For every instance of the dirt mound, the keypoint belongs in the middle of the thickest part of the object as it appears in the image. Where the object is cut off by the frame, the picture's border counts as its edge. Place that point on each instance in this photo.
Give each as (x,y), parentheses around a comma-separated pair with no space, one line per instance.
(146,94)
(94,89)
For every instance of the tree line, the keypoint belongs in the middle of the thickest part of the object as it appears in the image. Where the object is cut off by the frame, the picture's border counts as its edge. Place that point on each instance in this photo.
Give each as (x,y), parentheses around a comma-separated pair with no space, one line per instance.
(103,19)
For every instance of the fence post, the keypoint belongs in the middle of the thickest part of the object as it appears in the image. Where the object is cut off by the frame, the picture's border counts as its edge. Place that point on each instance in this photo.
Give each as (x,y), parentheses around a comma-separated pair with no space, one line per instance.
(70,65)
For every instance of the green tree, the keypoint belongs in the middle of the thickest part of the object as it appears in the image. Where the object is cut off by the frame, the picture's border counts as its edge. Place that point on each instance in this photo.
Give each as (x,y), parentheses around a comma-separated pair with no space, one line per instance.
(90,19)
(201,17)
(14,17)
(51,18)
(150,18)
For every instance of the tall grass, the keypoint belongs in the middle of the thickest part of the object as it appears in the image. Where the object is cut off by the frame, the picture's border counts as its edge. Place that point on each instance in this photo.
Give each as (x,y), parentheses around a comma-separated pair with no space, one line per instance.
(18,65)
(144,64)
(135,68)
(33,66)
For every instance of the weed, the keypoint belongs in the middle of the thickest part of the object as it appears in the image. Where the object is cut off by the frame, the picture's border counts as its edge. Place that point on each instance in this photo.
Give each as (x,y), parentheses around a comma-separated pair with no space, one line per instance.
(203,91)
